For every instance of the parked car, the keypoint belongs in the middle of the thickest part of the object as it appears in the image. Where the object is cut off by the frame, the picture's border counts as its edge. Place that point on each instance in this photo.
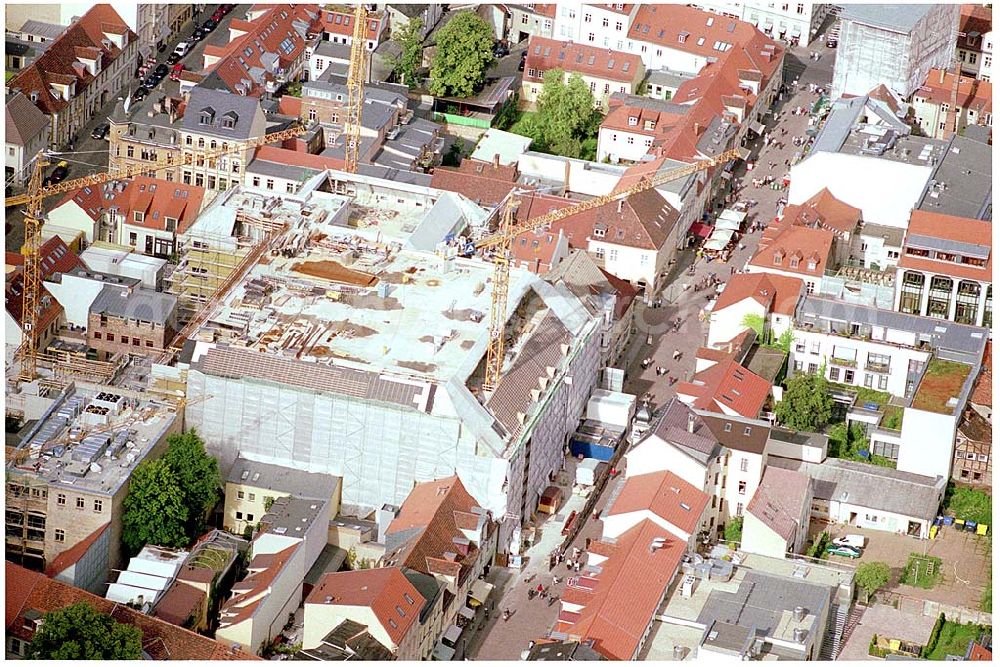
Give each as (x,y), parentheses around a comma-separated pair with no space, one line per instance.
(58,174)
(161,70)
(100,132)
(227,8)
(500,50)
(181,50)
(151,81)
(209,25)
(218,14)
(854,541)
(175,73)
(844,551)
(140,93)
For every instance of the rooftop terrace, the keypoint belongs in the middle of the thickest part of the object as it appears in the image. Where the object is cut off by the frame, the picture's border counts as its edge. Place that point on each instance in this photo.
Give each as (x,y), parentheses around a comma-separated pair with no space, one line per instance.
(941,386)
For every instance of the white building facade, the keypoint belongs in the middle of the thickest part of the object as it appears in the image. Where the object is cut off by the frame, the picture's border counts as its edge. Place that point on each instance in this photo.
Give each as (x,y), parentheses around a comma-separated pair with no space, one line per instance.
(797,22)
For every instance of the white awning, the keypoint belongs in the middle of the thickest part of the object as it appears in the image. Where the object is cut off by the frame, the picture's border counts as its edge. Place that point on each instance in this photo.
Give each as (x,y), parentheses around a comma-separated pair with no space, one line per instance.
(744,153)
(721,235)
(443,653)
(466,613)
(731,225)
(714,245)
(480,591)
(796,32)
(736,216)
(757,127)
(451,635)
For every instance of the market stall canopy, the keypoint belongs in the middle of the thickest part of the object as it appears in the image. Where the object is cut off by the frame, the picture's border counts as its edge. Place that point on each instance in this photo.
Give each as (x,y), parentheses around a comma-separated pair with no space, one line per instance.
(480,591)
(723,235)
(443,653)
(726,224)
(466,613)
(714,245)
(451,635)
(736,216)
(701,229)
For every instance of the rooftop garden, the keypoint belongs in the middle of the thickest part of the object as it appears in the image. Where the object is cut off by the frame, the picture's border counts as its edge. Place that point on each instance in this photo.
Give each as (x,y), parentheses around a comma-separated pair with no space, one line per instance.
(852,444)
(864,394)
(892,418)
(942,381)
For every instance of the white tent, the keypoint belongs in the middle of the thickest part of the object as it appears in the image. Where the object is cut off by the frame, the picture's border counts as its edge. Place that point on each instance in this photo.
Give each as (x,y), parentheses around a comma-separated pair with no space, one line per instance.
(721,235)
(736,216)
(727,225)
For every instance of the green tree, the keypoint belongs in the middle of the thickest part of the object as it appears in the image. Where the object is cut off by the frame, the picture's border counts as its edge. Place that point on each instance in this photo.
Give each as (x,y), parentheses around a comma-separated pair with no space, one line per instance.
(784,342)
(872,576)
(806,404)
(733,532)
(197,475)
(756,323)
(410,59)
(154,508)
(80,632)
(464,52)
(566,115)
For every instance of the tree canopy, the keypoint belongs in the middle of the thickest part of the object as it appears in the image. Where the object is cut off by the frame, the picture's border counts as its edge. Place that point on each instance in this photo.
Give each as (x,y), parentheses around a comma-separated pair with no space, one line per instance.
(80,632)
(566,115)
(872,576)
(412,43)
(169,497)
(806,404)
(464,53)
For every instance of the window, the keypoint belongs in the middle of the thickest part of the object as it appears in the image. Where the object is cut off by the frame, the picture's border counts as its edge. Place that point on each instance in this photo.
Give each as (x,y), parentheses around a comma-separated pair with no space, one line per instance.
(739,509)
(848,377)
(240,495)
(742,488)
(129,151)
(290,188)
(618,26)
(800,9)
(972,58)
(239,515)
(815,347)
(587,18)
(728,427)
(61,499)
(270,184)
(744,463)
(590,38)
(883,382)
(99,504)
(613,254)
(79,500)
(798,365)
(60,535)
(869,380)
(834,375)
(253,497)
(249,517)
(605,22)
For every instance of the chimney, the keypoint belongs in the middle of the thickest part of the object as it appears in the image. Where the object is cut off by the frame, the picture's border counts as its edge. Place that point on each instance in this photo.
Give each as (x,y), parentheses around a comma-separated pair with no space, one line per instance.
(691,423)
(697,129)
(496,160)
(799,614)
(941,76)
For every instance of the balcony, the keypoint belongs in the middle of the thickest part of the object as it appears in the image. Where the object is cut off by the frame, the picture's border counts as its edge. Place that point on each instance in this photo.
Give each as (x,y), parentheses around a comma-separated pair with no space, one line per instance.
(877,367)
(847,363)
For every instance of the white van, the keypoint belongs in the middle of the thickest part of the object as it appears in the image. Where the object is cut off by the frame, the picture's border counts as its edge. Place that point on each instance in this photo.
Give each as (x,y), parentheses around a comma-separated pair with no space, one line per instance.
(856,541)
(182,49)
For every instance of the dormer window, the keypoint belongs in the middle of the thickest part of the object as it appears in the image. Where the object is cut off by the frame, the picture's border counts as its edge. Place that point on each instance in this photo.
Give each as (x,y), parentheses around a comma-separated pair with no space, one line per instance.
(650,125)
(793,262)
(138,216)
(812,265)
(777,258)
(207,116)
(683,37)
(599,232)
(633,120)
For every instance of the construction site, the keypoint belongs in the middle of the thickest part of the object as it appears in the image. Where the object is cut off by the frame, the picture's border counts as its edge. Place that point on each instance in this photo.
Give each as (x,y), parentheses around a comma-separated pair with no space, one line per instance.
(358,349)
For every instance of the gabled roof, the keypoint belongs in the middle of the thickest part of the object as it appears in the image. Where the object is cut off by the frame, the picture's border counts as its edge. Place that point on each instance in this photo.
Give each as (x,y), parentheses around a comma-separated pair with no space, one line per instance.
(778,294)
(23,122)
(982,390)
(780,499)
(621,600)
(27,590)
(973,93)
(337,21)
(744,435)
(730,385)
(687,29)
(665,495)
(573,57)
(796,249)
(74,553)
(251,591)
(825,211)
(481,182)
(158,200)
(220,113)
(394,601)
(538,249)
(426,536)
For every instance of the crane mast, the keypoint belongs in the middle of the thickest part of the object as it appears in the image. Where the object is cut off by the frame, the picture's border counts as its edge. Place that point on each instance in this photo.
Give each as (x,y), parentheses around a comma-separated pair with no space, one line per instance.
(500,245)
(355,91)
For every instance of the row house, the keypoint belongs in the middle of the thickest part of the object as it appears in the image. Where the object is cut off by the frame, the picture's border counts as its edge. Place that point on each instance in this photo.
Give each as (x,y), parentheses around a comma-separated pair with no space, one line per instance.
(634,124)
(604,71)
(28,132)
(531,20)
(131,319)
(796,22)
(264,52)
(974,451)
(769,297)
(148,214)
(975,41)
(944,106)
(336,24)
(401,14)
(80,72)
(202,122)
(946,270)
(600,25)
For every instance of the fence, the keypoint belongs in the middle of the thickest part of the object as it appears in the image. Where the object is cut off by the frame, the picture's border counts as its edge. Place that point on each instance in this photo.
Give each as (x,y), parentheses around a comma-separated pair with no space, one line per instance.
(468,121)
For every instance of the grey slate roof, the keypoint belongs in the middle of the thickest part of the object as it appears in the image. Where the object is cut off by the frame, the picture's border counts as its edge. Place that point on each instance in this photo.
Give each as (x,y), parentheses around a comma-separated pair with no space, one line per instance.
(47,30)
(672,427)
(397,175)
(900,18)
(665,77)
(968,178)
(24,121)
(243,110)
(844,114)
(871,486)
(761,599)
(731,431)
(408,10)
(275,169)
(139,304)
(348,641)
(279,478)
(892,236)
(333,50)
(965,343)
(780,500)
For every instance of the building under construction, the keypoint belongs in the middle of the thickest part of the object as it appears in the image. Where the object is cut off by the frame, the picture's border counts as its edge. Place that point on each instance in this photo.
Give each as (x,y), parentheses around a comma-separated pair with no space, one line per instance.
(358,350)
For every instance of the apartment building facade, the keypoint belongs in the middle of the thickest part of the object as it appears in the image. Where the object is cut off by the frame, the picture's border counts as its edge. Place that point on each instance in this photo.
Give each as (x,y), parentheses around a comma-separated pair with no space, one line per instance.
(603,70)
(131,319)
(975,41)
(159,23)
(944,106)
(946,269)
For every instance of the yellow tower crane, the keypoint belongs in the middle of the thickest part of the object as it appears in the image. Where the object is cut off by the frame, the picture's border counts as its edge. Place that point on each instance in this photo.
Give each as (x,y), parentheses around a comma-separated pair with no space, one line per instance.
(34,219)
(355,90)
(500,243)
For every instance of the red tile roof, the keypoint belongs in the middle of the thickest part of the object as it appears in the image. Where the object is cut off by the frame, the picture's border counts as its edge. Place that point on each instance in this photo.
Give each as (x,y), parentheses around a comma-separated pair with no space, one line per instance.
(628,591)
(974,94)
(56,257)
(778,294)
(979,652)
(275,31)
(687,29)
(949,228)
(666,495)
(158,200)
(74,553)
(729,385)
(825,211)
(179,603)
(59,63)
(645,220)
(297,158)
(795,249)
(537,250)
(386,591)
(487,187)
(27,590)
(250,592)
(572,57)
(429,512)
(337,22)
(974,18)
